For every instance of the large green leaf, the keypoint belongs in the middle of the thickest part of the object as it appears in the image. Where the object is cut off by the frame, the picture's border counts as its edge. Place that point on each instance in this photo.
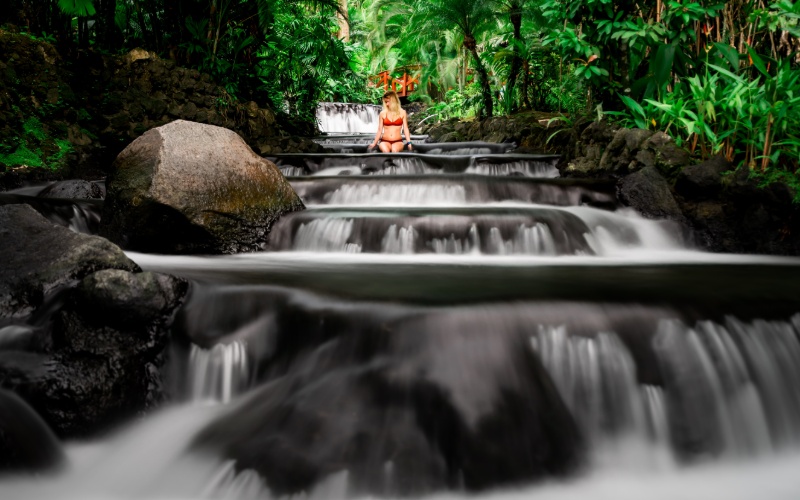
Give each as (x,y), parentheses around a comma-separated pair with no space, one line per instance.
(661,63)
(729,53)
(77,7)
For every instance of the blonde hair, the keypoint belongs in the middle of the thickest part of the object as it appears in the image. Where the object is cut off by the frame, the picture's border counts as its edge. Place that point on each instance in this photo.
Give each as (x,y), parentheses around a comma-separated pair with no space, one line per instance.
(394,102)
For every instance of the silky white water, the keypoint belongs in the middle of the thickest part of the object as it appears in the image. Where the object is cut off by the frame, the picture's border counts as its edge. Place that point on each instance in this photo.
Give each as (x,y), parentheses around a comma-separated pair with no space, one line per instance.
(343,118)
(679,367)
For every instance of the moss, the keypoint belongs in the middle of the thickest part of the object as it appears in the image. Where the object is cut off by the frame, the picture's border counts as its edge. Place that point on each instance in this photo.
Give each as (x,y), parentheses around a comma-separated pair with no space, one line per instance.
(33,127)
(23,156)
(64,148)
(775,175)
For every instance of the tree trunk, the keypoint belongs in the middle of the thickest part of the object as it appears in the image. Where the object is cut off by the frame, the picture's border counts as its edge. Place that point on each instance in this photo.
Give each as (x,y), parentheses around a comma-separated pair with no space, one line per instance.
(515,13)
(344,21)
(526,84)
(483,75)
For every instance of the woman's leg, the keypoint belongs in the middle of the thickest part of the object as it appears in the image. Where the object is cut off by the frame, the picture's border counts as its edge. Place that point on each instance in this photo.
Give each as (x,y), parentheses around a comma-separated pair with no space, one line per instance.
(385,147)
(397,147)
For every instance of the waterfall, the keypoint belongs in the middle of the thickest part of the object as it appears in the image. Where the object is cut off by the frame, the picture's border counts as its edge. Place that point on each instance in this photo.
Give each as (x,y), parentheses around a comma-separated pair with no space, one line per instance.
(457,323)
(218,373)
(347,118)
(522,168)
(361,194)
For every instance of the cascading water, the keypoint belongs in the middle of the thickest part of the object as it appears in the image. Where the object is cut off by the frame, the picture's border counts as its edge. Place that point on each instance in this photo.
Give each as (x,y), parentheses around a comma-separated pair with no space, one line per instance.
(448,327)
(347,118)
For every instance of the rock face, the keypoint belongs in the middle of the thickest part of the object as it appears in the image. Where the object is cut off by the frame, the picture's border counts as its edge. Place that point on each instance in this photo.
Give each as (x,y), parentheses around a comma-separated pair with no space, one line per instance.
(186,187)
(39,257)
(81,332)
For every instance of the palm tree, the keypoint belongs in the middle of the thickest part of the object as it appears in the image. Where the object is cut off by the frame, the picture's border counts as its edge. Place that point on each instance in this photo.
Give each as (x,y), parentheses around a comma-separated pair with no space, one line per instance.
(470,18)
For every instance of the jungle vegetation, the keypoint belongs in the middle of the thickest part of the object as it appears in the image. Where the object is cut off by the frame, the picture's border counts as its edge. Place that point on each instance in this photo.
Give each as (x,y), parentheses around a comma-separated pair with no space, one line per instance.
(720,77)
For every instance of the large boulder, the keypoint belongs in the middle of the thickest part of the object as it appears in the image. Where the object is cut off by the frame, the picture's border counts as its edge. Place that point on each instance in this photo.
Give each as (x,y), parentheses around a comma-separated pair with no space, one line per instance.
(92,372)
(82,332)
(39,257)
(187,187)
(649,193)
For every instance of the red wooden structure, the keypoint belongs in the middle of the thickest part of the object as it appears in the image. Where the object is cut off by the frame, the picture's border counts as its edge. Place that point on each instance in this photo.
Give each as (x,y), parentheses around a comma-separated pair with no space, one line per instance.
(403,86)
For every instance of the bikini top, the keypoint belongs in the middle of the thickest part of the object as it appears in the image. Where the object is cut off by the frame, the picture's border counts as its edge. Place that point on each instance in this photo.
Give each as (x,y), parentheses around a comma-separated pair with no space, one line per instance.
(396,123)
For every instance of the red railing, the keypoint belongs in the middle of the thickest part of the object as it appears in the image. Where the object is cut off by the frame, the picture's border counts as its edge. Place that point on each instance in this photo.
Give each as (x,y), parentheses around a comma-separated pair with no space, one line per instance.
(403,86)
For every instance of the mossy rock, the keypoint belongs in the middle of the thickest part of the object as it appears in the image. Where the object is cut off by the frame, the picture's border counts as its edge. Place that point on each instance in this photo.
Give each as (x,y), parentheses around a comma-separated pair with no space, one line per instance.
(187,187)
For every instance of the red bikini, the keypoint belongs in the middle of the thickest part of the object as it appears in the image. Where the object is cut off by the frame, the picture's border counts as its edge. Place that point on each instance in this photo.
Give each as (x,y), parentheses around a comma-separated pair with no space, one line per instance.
(389,123)
(395,123)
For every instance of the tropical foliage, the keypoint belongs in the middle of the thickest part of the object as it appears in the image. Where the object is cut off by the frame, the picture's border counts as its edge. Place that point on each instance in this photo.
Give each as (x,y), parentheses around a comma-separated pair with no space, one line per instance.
(721,77)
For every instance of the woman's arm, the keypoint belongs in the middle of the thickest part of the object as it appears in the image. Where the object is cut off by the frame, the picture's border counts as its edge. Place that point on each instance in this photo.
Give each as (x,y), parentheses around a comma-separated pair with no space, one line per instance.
(405,129)
(378,133)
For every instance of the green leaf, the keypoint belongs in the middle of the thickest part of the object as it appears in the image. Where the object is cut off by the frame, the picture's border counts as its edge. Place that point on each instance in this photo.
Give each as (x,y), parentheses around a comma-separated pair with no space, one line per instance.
(727,73)
(757,61)
(77,7)
(729,53)
(661,63)
(633,105)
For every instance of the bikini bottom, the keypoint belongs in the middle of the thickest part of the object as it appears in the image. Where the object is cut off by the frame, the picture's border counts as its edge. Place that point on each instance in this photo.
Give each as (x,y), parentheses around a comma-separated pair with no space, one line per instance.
(391,142)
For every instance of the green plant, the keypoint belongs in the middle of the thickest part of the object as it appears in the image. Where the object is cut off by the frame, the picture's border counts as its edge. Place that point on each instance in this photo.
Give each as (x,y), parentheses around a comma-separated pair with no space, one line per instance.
(33,127)
(22,156)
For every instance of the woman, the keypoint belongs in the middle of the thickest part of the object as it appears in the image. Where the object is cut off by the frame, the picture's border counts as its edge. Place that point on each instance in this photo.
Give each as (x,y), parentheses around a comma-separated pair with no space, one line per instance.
(392,120)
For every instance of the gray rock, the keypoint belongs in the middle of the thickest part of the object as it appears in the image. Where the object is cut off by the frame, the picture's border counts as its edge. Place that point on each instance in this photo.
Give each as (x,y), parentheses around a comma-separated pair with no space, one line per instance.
(649,193)
(39,257)
(73,190)
(187,187)
(599,132)
(450,137)
(619,157)
(667,156)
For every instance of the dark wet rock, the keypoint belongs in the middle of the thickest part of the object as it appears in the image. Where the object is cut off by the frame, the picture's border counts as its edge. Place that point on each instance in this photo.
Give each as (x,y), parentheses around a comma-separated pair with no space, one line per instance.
(667,156)
(703,180)
(102,366)
(407,407)
(582,158)
(193,188)
(26,442)
(125,300)
(82,334)
(39,257)
(598,132)
(73,189)
(649,193)
(742,217)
